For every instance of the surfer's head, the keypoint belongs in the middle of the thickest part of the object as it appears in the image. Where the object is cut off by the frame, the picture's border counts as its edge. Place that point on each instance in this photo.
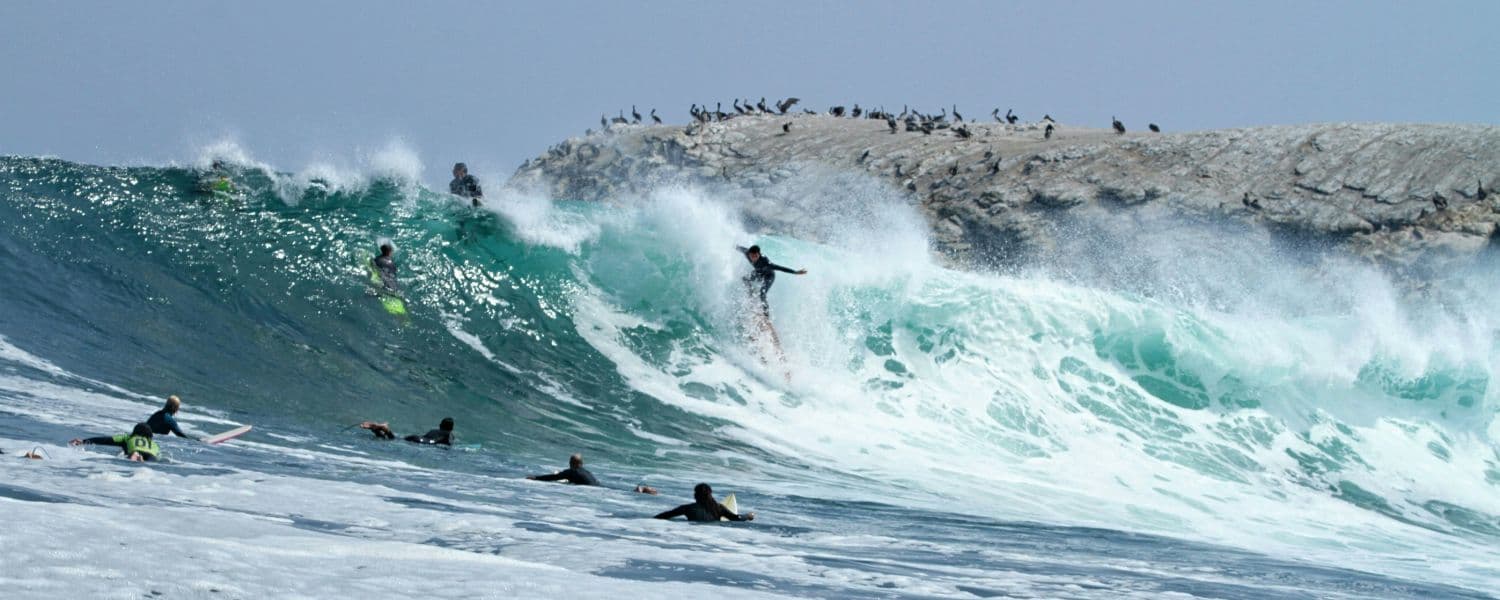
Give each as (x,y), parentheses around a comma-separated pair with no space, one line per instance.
(703,494)
(141,430)
(753,252)
(174,404)
(386,249)
(447,424)
(460,169)
(575,461)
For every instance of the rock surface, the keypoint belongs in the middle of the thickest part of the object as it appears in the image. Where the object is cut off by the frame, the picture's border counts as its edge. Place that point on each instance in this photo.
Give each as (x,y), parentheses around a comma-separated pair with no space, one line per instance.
(1393,194)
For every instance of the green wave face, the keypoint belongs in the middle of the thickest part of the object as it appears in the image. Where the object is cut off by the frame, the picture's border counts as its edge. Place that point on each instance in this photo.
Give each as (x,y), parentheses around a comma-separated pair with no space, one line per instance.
(550,326)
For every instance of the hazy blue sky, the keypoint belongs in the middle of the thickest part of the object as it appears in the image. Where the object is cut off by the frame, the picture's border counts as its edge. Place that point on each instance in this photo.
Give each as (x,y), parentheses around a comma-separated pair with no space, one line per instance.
(493,83)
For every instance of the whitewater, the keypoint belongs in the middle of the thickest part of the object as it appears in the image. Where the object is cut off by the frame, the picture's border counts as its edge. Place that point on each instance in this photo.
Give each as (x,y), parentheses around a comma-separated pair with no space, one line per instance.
(1155,410)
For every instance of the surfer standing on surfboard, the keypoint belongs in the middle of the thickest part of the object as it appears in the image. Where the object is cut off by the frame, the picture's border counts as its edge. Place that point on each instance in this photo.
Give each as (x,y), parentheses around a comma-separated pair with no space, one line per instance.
(758,283)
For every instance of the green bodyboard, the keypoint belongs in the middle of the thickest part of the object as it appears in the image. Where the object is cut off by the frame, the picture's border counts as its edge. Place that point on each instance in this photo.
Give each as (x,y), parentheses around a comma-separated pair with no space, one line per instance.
(393,305)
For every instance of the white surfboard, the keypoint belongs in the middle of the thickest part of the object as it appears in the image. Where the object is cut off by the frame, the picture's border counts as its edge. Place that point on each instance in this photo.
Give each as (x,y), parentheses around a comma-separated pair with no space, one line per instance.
(226,436)
(731,504)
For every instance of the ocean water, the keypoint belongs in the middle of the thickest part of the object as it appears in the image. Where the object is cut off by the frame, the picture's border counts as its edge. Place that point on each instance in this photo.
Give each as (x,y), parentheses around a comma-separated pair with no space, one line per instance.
(1183,412)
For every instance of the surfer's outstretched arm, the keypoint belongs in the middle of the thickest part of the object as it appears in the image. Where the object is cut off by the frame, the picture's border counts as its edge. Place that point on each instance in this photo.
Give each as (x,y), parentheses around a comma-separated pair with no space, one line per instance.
(788,270)
(725,513)
(381,430)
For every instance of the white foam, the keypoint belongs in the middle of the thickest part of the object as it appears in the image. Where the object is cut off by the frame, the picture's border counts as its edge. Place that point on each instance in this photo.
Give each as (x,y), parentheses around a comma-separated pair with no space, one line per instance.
(396,162)
(537,220)
(929,424)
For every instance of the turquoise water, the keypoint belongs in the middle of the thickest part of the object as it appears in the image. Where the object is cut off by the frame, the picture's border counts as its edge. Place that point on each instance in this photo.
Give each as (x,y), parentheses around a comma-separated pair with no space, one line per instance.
(1328,420)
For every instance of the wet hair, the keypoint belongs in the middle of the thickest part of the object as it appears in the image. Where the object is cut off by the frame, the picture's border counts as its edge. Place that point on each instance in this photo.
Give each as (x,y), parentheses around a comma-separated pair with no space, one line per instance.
(753,250)
(386,249)
(141,429)
(575,461)
(703,493)
(447,424)
(173,404)
(457,166)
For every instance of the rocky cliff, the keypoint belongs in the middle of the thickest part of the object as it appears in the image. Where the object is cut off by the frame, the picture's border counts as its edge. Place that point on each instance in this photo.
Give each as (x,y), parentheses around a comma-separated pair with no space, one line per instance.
(1394,194)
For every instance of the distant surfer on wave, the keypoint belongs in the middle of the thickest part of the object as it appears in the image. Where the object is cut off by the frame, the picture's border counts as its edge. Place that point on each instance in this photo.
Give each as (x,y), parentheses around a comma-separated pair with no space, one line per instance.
(442,435)
(137,445)
(465,185)
(705,508)
(217,180)
(577,475)
(758,283)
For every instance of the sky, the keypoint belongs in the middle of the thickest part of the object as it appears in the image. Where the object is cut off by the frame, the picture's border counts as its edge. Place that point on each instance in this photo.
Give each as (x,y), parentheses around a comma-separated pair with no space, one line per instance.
(494,83)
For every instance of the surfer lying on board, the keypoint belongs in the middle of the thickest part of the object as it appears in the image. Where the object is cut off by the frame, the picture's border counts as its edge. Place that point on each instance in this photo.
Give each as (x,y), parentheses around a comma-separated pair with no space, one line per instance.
(758,283)
(385,264)
(704,508)
(137,445)
(442,435)
(216,181)
(164,421)
(577,475)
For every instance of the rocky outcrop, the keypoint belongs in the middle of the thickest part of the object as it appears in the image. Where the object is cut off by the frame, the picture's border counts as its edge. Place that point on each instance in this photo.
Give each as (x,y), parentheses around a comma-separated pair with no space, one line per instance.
(1391,193)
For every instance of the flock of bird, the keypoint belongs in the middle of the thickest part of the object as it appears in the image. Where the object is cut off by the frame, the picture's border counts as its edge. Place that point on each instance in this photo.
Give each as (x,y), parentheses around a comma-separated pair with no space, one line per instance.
(908,119)
(621,120)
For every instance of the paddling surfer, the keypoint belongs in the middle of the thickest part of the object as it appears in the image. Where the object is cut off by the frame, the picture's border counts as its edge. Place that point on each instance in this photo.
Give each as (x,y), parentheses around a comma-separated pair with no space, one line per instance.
(136,445)
(443,435)
(577,475)
(705,508)
(164,421)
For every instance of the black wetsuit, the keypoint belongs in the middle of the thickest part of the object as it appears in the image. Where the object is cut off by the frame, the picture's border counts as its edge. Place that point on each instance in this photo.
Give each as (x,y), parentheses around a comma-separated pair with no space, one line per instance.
(162,423)
(702,513)
(387,268)
(579,476)
(466,187)
(762,275)
(436,436)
